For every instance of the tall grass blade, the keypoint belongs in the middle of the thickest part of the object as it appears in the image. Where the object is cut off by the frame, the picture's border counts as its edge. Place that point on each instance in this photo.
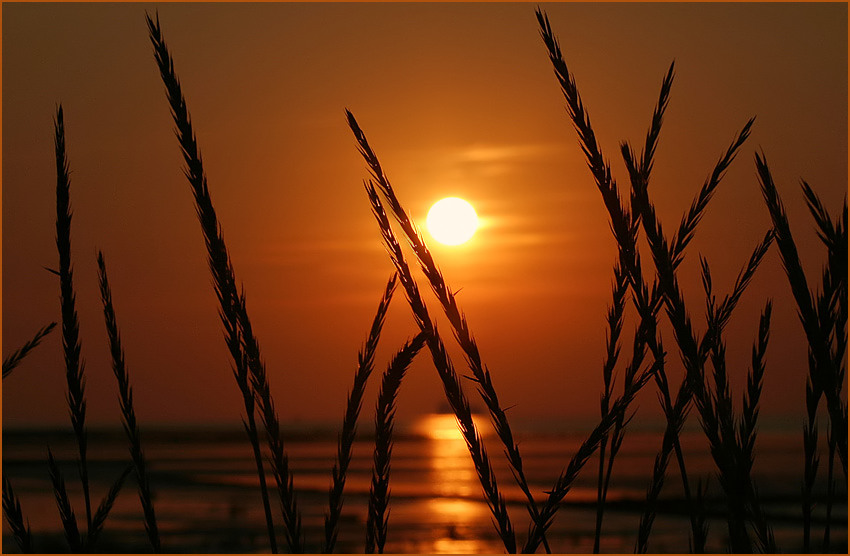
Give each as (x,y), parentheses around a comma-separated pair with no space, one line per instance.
(15,518)
(232,311)
(15,358)
(379,491)
(748,425)
(823,371)
(365,365)
(66,512)
(74,364)
(128,412)
(451,383)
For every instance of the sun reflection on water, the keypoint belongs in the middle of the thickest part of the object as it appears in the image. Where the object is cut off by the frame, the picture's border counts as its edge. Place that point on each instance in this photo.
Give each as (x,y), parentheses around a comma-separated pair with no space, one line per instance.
(456,503)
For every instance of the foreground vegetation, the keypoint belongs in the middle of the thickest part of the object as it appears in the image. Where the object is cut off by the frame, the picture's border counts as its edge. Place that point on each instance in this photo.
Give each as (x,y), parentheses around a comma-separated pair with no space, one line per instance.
(731,433)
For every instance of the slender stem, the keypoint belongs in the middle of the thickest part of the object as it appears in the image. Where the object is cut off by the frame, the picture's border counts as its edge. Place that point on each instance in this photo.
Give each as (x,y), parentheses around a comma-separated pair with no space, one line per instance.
(232,307)
(15,358)
(365,365)
(15,518)
(379,491)
(128,412)
(74,364)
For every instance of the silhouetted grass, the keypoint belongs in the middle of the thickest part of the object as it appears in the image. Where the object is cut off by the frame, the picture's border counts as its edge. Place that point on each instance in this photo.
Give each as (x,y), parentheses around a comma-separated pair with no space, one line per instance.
(15,518)
(625,229)
(365,365)
(716,416)
(232,311)
(15,358)
(824,320)
(74,364)
(612,352)
(565,480)
(104,508)
(66,512)
(731,435)
(379,492)
(128,412)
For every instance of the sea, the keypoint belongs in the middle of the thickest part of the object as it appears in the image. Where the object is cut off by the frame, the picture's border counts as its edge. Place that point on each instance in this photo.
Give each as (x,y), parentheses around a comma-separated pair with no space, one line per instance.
(207,498)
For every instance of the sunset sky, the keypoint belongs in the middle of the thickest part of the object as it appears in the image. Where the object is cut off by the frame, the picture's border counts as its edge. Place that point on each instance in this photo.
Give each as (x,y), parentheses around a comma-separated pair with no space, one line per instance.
(457,100)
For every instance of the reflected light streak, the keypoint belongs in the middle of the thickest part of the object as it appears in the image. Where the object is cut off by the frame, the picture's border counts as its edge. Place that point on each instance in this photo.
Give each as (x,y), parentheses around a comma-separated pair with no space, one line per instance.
(451,469)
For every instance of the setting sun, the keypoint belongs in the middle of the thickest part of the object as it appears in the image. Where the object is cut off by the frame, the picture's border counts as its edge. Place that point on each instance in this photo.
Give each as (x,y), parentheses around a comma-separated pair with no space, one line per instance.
(452,221)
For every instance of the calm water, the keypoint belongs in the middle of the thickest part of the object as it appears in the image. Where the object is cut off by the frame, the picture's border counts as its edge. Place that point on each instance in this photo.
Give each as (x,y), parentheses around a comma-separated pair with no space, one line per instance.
(207,500)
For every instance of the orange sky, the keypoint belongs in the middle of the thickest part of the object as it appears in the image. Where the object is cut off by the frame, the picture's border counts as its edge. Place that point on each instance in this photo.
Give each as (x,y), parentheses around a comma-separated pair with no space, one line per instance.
(456,99)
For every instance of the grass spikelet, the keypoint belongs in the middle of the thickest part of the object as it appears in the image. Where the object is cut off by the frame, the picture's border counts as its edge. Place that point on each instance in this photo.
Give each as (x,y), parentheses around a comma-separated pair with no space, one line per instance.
(128,412)
(451,383)
(722,312)
(463,334)
(74,364)
(66,512)
(620,223)
(823,371)
(750,412)
(365,365)
(689,222)
(105,507)
(231,306)
(15,358)
(379,492)
(15,518)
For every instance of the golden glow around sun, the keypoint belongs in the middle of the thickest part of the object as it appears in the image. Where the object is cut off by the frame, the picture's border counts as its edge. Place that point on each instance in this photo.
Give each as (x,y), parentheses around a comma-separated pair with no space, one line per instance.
(452,221)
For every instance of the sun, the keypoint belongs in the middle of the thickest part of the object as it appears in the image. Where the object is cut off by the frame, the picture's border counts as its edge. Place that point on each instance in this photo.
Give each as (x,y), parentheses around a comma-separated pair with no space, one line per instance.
(452,221)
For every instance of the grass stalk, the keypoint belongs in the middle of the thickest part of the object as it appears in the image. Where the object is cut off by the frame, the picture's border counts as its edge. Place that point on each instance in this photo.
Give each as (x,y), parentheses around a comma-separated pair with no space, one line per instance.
(15,518)
(104,508)
(451,383)
(749,415)
(830,493)
(831,308)
(66,512)
(379,491)
(365,365)
(231,305)
(612,345)
(128,412)
(823,372)
(15,358)
(271,421)
(74,364)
